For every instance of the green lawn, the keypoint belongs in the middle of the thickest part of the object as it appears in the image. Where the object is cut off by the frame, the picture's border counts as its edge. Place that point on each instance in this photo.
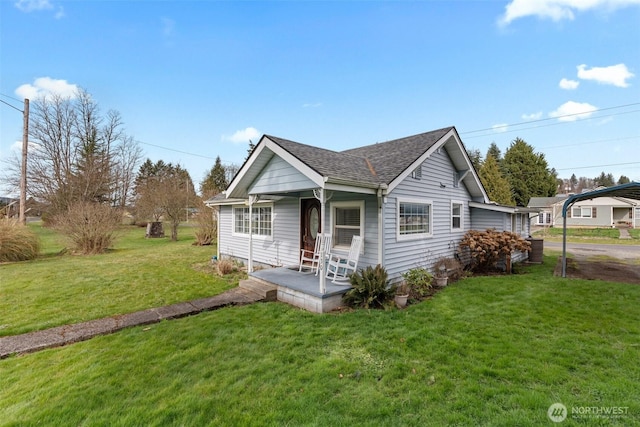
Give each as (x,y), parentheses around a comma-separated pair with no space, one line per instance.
(588,235)
(138,274)
(485,351)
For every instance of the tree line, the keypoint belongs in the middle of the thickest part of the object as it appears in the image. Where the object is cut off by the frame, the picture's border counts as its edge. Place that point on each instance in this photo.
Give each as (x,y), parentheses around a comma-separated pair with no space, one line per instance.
(522,173)
(86,171)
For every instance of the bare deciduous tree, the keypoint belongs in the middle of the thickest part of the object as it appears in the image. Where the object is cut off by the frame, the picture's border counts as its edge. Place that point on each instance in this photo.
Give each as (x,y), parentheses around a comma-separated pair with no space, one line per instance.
(76,153)
(164,190)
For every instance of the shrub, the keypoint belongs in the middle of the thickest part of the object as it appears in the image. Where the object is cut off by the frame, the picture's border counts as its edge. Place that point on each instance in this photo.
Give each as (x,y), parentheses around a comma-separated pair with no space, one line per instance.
(487,248)
(370,288)
(226,266)
(206,227)
(89,227)
(418,283)
(17,242)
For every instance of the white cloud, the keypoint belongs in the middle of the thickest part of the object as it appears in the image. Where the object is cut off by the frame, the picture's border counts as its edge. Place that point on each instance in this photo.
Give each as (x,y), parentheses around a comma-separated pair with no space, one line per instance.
(168,26)
(571,111)
(557,10)
(60,13)
(616,75)
(568,84)
(312,105)
(532,116)
(243,136)
(500,127)
(33,5)
(43,86)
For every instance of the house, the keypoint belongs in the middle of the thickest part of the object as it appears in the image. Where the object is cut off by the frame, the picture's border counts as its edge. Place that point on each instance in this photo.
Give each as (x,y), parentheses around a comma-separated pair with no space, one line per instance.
(411,199)
(589,213)
(550,209)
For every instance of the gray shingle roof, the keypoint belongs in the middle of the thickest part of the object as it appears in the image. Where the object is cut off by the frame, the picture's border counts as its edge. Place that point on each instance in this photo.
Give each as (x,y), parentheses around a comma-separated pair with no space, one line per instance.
(374,164)
(544,202)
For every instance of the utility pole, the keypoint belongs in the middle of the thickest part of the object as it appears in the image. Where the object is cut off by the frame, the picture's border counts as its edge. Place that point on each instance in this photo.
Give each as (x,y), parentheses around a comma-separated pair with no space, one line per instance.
(23,170)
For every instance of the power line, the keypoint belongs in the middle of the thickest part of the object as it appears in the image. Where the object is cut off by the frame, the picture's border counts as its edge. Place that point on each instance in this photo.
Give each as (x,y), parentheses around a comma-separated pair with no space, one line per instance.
(554,118)
(10,97)
(176,151)
(590,142)
(600,166)
(15,108)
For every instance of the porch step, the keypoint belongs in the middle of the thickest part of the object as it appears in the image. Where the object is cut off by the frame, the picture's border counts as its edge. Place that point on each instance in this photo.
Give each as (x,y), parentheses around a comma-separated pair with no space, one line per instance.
(267,291)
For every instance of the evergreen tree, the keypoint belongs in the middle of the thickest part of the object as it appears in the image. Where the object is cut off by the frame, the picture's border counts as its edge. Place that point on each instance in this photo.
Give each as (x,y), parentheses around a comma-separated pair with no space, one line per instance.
(494,182)
(252,147)
(623,180)
(605,180)
(476,158)
(215,182)
(495,152)
(573,182)
(527,172)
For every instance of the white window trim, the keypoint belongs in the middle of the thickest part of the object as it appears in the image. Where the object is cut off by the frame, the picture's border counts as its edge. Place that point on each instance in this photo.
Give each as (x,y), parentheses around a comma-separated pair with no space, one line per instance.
(417,236)
(348,204)
(590,208)
(461,228)
(255,236)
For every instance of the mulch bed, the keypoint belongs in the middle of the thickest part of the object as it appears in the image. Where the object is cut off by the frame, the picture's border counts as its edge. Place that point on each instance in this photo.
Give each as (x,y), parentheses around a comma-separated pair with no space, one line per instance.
(611,271)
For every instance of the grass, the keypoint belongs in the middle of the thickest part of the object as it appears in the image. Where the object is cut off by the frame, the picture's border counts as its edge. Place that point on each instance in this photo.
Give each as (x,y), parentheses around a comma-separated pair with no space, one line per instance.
(138,274)
(586,235)
(484,351)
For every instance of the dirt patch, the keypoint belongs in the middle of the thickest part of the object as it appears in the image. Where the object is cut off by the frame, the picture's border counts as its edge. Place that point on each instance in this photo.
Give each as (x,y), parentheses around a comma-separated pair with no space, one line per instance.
(612,271)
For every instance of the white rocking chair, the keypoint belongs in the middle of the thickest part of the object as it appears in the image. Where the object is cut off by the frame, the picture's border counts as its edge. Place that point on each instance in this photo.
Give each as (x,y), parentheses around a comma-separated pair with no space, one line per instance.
(339,267)
(315,260)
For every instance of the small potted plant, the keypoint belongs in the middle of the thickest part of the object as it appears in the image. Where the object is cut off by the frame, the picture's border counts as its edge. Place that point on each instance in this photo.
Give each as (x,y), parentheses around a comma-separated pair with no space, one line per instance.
(441,278)
(441,274)
(402,295)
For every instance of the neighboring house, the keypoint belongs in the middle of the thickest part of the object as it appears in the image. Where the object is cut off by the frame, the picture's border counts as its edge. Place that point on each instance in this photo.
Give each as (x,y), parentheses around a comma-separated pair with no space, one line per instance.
(593,213)
(550,209)
(412,199)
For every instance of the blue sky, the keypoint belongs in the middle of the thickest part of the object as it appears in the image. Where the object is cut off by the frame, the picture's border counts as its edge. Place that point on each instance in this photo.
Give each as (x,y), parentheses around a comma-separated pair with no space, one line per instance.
(201,78)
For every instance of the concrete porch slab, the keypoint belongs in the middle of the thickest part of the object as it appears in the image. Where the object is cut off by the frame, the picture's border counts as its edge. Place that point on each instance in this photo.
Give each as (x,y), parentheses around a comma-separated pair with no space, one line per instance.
(303,289)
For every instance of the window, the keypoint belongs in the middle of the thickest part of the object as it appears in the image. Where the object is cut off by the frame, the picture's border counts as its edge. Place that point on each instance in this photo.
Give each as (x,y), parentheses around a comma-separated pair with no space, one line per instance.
(414,219)
(262,221)
(583,212)
(456,216)
(348,221)
(541,218)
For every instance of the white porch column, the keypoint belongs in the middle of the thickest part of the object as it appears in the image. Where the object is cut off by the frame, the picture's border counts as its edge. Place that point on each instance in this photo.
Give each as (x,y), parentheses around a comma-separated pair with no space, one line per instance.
(322,195)
(323,221)
(252,199)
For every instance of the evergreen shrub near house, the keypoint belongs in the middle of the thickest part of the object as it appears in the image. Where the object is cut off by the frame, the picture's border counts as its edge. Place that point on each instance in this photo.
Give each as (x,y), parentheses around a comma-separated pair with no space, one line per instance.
(17,242)
(487,248)
(370,288)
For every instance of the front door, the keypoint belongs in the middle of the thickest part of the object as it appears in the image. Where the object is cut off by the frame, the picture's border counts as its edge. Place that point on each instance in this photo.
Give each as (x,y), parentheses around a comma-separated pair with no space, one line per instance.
(310,223)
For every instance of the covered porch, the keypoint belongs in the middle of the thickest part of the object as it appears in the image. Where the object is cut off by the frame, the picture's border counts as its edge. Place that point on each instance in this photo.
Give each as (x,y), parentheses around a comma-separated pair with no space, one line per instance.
(301,289)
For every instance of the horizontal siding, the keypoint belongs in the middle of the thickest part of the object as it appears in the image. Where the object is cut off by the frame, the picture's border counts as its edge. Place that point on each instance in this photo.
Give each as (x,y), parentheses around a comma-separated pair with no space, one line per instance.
(401,256)
(282,250)
(483,219)
(279,176)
